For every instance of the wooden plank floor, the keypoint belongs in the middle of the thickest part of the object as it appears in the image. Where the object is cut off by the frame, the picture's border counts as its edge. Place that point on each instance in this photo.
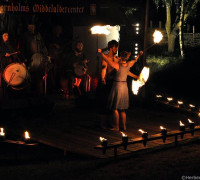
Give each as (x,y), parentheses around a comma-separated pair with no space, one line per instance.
(78,130)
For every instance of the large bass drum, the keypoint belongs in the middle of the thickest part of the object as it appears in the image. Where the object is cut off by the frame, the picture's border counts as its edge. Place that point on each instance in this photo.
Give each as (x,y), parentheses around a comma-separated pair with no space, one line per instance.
(16,76)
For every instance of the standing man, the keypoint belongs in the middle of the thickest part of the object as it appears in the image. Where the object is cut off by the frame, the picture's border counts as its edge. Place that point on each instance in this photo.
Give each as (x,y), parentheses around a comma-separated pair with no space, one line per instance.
(35,54)
(74,69)
(106,81)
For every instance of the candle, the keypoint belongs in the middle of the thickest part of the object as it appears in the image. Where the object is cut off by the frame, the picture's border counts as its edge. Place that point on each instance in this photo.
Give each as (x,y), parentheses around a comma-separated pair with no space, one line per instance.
(191,124)
(180,103)
(144,134)
(2,133)
(158,96)
(104,142)
(27,136)
(192,107)
(163,130)
(170,99)
(124,138)
(182,126)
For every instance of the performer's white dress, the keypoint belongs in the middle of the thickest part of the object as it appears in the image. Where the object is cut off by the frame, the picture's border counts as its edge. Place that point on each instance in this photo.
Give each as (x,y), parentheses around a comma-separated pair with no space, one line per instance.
(119,96)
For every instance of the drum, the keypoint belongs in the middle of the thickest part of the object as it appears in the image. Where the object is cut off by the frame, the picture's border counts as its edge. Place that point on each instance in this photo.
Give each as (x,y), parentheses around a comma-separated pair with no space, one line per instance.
(37,61)
(16,76)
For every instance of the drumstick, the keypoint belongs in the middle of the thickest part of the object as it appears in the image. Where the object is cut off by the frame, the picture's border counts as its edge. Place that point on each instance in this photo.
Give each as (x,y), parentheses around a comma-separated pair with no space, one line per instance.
(11,78)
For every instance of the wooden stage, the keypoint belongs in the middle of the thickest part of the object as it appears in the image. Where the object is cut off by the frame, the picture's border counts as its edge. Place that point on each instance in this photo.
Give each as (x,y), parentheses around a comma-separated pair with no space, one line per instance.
(77,129)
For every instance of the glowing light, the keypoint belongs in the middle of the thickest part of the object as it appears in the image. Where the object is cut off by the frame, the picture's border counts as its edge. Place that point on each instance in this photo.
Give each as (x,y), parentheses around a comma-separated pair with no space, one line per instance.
(26,135)
(102,139)
(137,32)
(181,124)
(143,77)
(137,29)
(190,121)
(1,10)
(180,102)
(136,48)
(192,106)
(136,44)
(170,99)
(101,29)
(159,96)
(123,134)
(137,24)
(161,127)
(136,52)
(2,133)
(141,131)
(157,36)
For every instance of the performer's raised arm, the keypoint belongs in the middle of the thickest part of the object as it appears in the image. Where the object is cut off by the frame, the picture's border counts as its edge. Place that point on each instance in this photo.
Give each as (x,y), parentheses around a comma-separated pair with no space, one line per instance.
(132,62)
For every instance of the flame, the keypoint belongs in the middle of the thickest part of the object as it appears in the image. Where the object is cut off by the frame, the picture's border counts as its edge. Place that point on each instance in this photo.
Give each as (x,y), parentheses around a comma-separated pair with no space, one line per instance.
(161,127)
(123,134)
(101,29)
(157,36)
(26,135)
(192,106)
(181,124)
(170,99)
(190,121)
(2,133)
(102,139)
(141,131)
(180,102)
(143,77)
(159,96)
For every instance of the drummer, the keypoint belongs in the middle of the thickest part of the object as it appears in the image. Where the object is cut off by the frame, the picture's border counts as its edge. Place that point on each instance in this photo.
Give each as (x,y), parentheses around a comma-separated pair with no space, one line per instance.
(7,52)
(7,56)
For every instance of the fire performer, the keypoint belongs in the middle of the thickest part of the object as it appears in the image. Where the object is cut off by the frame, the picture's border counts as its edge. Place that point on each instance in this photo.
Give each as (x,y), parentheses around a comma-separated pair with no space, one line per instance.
(105,83)
(118,100)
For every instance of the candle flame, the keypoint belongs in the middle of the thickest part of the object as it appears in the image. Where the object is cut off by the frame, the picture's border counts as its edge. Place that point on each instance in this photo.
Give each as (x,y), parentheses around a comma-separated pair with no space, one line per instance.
(102,139)
(2,133)
(180,102)
(143,77)
(181,124)
(170,99)
(190,121)
(157,36)
(101,29)
(141,131)
(161,127)
(123,134)
(26,135)
(191,105)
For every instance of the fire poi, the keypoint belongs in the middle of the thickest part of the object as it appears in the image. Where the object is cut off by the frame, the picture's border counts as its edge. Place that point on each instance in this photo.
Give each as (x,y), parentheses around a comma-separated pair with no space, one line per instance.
(144,75)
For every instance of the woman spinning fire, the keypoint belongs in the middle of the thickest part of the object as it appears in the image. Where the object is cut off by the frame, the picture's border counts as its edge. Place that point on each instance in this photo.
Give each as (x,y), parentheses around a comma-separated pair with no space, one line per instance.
(118,100)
